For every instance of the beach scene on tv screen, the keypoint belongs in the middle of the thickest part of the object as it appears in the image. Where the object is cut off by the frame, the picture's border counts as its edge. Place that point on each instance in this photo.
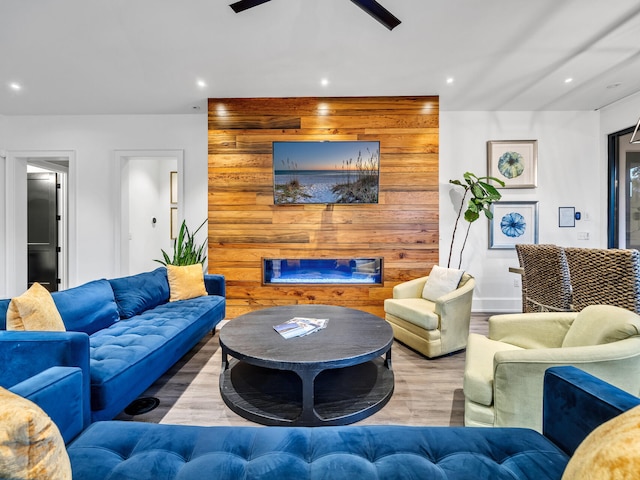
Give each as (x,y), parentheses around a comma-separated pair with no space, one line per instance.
(326,172)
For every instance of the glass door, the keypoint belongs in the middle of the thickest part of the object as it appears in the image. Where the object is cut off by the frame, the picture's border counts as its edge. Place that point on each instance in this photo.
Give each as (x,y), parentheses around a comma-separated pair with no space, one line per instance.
(624,191)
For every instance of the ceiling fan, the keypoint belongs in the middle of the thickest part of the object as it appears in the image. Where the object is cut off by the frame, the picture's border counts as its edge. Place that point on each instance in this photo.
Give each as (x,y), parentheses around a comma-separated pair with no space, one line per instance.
(372,7)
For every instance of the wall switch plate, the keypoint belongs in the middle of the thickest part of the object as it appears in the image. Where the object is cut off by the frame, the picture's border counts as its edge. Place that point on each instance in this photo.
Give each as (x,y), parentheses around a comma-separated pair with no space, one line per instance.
(583,235)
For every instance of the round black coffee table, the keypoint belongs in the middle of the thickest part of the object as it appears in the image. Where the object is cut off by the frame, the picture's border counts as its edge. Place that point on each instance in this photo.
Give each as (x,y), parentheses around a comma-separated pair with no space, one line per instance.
(335,376)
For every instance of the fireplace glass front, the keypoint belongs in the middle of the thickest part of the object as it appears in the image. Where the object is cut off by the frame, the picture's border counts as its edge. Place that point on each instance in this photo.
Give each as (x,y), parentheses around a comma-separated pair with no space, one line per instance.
(278,271)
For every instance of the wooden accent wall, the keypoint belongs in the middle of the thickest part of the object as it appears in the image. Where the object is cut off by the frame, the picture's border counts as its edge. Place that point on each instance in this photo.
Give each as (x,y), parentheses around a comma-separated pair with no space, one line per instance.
(245,225)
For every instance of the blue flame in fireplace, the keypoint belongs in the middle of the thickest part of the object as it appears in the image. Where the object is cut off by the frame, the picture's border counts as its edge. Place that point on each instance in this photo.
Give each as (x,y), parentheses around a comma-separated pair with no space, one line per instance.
(323,271)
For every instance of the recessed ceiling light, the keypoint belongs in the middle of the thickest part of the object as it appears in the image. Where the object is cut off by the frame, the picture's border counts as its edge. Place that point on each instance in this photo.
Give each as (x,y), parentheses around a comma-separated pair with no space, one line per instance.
(15,86)
(201,83)
(568,80)
(324,82)
(450,80)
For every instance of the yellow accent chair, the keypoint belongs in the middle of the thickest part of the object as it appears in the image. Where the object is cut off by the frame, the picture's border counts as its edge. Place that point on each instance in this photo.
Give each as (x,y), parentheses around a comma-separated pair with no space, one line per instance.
(504,372)
(435,326)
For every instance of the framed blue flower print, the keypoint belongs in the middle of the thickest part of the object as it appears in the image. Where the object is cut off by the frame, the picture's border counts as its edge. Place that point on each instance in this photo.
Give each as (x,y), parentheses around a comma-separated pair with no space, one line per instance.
(513,222)
(515,162)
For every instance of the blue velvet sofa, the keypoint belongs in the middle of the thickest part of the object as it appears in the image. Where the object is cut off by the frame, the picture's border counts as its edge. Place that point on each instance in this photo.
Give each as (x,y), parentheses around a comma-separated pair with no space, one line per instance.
(574,404)
(122,335)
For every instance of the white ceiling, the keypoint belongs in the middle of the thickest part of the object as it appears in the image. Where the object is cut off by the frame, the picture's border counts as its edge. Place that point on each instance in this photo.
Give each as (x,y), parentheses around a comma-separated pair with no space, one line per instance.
(145,56)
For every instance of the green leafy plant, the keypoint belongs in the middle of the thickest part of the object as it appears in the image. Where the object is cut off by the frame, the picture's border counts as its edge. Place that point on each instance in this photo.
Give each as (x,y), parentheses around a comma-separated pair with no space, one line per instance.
(185,249)
(483,195)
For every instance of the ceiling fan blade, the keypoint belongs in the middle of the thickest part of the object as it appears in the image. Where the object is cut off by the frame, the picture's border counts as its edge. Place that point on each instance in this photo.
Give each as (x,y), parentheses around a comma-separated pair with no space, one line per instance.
(243,5)
(378,12)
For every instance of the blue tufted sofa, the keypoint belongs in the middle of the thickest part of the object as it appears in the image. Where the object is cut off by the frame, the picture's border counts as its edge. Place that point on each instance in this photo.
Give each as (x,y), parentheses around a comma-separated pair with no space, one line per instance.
(122,335)
(574,404)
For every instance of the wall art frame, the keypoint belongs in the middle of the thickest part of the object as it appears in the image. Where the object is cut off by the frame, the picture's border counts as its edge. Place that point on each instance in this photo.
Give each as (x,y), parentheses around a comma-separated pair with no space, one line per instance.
(173,223)
(515,162)
(566,216)
(173,187)
(513,222)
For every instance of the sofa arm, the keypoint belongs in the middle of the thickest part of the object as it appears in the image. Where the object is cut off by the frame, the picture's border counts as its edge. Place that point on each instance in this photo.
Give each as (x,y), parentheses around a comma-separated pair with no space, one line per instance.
(26,354)
(575,403)
(519,376)
(531,330)
(215,284)
(411,289)
(58,391)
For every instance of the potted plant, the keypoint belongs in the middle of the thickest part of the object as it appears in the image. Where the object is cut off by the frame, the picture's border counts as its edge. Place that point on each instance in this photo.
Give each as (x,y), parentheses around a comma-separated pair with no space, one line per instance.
(185,249)
(483,195)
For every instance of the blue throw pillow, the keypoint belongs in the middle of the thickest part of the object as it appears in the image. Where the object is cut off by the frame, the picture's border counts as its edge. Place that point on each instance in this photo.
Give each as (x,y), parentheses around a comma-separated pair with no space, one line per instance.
(87,308)
(136,293)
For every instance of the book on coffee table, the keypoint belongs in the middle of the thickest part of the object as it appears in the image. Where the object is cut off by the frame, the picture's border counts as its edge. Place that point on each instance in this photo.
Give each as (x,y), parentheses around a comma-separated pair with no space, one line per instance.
(300,326)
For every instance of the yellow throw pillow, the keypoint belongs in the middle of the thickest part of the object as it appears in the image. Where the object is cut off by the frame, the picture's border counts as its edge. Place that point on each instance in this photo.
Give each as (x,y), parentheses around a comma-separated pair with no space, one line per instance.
(30,443)
(611,451)
(185,282)
(34,310)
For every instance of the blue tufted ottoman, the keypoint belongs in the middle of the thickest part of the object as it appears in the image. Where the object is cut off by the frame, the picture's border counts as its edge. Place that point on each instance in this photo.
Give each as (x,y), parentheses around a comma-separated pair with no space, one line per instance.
(127,450)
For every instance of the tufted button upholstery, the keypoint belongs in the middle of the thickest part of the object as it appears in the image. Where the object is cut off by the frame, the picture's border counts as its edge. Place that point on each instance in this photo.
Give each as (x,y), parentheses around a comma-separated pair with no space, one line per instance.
(132,450)
(129,346)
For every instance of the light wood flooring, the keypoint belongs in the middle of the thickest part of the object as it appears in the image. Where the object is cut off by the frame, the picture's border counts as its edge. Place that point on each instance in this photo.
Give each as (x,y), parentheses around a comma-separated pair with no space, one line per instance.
(427,392)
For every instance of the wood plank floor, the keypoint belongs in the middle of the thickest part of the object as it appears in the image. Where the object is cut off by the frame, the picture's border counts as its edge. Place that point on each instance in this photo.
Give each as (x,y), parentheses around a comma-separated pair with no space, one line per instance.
(427,392)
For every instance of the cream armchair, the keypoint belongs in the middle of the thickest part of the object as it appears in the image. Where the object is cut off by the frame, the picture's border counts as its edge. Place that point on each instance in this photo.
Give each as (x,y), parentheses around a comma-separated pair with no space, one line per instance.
(504,372)
(433,328)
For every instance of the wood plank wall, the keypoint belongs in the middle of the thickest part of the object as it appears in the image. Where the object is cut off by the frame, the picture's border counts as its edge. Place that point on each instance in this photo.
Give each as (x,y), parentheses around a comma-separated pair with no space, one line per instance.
(245,226)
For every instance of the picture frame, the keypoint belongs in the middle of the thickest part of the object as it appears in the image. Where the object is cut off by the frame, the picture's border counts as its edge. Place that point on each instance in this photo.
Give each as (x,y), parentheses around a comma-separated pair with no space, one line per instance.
(566,216)
(513,222)
(515,162)
(173,186)
(173,214)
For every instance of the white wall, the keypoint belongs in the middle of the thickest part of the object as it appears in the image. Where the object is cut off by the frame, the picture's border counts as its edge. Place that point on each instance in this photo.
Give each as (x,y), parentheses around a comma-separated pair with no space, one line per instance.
(3,141)
(570,172)
(94,140)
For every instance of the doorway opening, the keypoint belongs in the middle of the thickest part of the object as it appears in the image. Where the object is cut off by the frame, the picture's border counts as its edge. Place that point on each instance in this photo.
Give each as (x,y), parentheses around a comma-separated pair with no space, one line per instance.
(151,201)
(45,209)
(39,249)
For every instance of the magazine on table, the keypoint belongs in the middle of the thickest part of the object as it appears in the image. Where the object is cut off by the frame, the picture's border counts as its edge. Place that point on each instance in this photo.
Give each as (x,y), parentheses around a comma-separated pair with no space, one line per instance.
(300,326)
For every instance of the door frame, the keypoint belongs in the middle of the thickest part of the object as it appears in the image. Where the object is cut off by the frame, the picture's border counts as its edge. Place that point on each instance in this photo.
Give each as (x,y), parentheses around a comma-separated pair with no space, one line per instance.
(121,199)
(613,189)
(15,235)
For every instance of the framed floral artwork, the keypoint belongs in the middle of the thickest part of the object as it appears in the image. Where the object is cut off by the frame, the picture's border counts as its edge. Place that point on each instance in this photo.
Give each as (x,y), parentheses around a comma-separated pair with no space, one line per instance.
(515,162)
(513,222)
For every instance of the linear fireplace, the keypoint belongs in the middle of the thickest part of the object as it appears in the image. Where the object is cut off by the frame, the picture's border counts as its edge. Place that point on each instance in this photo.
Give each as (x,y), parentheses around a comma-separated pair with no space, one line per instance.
(319,271)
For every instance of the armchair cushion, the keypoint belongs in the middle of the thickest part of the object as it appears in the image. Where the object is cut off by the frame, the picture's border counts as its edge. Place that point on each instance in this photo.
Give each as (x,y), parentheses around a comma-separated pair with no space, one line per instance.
(610,451)
(440,282)
(600,324)
(34,310)
(417,311)
(30,444)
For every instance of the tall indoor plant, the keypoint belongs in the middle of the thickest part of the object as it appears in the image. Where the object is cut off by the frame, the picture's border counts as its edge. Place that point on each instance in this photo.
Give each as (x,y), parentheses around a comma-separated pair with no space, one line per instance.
(483,195)
(185,249)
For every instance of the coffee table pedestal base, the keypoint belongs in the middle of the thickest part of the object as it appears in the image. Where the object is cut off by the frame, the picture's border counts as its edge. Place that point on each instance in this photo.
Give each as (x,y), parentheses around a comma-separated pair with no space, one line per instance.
(337,396)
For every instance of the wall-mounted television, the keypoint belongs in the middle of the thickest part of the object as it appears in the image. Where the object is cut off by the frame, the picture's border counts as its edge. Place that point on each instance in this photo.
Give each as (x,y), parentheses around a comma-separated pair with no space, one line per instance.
(326,172)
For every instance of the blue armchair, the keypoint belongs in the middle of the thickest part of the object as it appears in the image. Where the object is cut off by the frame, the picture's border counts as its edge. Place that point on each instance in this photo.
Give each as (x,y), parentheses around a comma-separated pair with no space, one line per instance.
(52,370)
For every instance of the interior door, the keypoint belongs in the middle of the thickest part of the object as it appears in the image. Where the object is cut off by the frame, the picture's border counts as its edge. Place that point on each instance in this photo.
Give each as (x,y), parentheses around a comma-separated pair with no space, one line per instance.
(42,229)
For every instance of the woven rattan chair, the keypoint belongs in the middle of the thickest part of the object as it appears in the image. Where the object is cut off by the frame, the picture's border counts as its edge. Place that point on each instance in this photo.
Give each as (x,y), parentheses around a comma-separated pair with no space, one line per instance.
(605,277)
(546,285)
